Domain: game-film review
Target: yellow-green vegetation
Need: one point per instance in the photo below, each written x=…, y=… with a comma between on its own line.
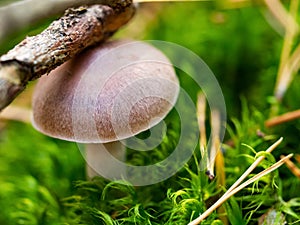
x=42, y=180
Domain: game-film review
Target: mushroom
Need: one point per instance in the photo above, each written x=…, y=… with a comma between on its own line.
x=104, y=95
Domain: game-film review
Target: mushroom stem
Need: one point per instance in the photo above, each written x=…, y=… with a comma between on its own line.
x=99, y=158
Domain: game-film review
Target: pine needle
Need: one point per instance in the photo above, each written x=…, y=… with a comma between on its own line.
x=236, y=187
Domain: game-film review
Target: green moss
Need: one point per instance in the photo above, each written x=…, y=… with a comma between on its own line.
x=36, y=172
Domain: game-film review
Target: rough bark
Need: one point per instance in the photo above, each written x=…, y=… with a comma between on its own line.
x=20, y=14
x=78, y=29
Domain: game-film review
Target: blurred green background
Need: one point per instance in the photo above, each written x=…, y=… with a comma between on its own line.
x=42, y=180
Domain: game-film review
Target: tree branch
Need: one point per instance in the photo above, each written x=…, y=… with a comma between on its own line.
x=77, y=29
x=16, y=16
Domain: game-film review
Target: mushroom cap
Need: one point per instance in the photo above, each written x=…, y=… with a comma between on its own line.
x=107, y=93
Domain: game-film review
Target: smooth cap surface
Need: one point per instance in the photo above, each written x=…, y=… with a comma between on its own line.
x=110, y=92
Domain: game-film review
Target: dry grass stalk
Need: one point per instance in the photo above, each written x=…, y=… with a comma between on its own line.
x=236, y=187
x=283, y=118
x=292, y=167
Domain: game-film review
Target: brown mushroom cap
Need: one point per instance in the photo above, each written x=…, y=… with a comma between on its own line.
x=107, y=93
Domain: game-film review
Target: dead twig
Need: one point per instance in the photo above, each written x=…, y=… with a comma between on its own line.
x=289, y=116
x=17, y=15
x=78, y=29
x=237, y=186
x=292, y=167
